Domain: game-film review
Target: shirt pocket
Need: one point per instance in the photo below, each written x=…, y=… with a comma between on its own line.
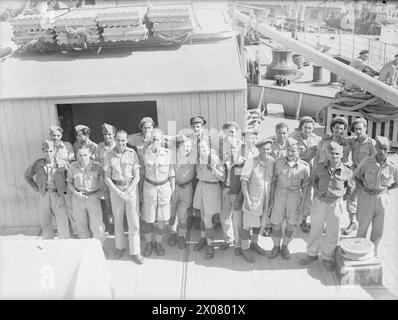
x=385, y=178
x=297, y=179
x=128, y=167
x=338, y=182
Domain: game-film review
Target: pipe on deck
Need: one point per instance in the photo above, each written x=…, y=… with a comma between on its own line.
x=362, y=80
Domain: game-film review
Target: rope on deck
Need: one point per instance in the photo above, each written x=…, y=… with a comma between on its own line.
x=368, y=105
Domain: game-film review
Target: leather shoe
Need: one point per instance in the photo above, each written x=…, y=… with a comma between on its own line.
x=256, y=248
x=225, y=246
x=159, y=249
x=267, y=232
x=351, y=227
x=119, y=253
x=274, y=252
x=182, y=242
x=148, y=249
x=246, y=254
x=201, y=244
x=237, y=251
x=305, y=226
x=285, y=252
x=172, y=240
x=137, y=258
x=329, y=265
x=308, y=259
x=209, y=252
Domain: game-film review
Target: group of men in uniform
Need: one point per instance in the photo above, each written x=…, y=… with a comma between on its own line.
x=256, y=186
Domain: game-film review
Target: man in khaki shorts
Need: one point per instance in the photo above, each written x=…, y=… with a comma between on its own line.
x=159, y=185
x=256, y=181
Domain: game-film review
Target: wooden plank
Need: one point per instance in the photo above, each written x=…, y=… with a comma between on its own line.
x=213, y=110
x=222, y=109
x=204, y=106
x=187, y=110
x=229, y=106
x=195, y=104
x=178, y=111
x=238, y=108
x=45, y=118
x=52, y=110
x=169, y=124
x=4, y=185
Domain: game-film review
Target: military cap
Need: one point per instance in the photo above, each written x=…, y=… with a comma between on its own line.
x=54, y=129
x=230, y=124
x=358, y=121
x=156, y=132
x=334, y=146
x=305, y=119
x=108, y=128
x=383, y=141
x=364, y=51
x=262, y=142
x=198, y=119
x=81, y=127
x=145, y=120
x=338, y=119
x=250, y=131
x=291, y=142
x=47, y=144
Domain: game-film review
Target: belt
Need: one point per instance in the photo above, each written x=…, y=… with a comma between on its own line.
x=51, y=190
x=209, y=182
x=156, y=183
x=87, y=193
x=182, y=185
x=376, y=192
x=121, y=182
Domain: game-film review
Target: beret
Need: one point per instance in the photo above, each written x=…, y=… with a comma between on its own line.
x=80, y=127
x=108, y=128
x=262, y=142
x=54, y=129
x=364, y=51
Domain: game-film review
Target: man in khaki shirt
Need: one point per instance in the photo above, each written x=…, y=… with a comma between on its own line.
x=122, y=174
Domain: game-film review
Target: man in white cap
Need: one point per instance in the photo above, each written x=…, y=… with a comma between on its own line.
x=361, y=146
x=47, y=176
x=333, y=183
x=122, y=174
x=86, y=181
x=103, y=149
x=83, y=139
x=375, y=176
x=256, y=179
x=289, y=192
x=63, y=149
x=159, y=185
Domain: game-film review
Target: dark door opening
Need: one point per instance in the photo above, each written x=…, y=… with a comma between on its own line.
x=123, y=115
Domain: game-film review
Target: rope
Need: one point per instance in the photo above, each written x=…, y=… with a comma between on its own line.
x=368, y=105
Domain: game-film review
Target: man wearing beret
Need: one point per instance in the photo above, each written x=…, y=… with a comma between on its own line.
x=307, y=143
x=102, y=150
x=141, y=141
x=159, y=185
x=256, y=179
x=83, y=139
x=182, y=197
x=63, y=149
x=361, y=146
x=375, y=176
x=389, y=72
x=333, y=183
x=122, y=174
x=47, y=176
x=289, y=191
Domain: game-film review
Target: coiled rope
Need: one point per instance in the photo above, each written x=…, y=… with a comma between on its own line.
x=369, y=106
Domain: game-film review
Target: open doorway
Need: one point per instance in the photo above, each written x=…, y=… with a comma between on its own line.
x=123, y=115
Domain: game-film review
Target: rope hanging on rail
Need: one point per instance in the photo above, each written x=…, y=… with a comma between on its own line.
x=369, y=106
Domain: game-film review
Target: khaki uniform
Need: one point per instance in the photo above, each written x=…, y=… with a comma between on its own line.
x=120, y=167
x=278, y=150
x=322, y=149
x=258, y=175
x=90, y=144
x=87, y=212
x=359, y=151
x=183, y=193
x=372, y=207
x=307, y=151
x=102, y=152
x=289, y=183
x=330, y=186
x=50, y=182
x=159, y=167
x=64, y=151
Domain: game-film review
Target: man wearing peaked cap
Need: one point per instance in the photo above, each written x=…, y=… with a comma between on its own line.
x=289, y=188
x=333, y=183
x=361, y=146
x=83, y=139
x=48, y=177
x=389, y=72
x=197, y=119
x=262, y=142
x=103, y=149
x=375, y=176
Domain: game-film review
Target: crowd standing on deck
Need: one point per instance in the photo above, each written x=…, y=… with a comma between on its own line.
x=255, y=186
